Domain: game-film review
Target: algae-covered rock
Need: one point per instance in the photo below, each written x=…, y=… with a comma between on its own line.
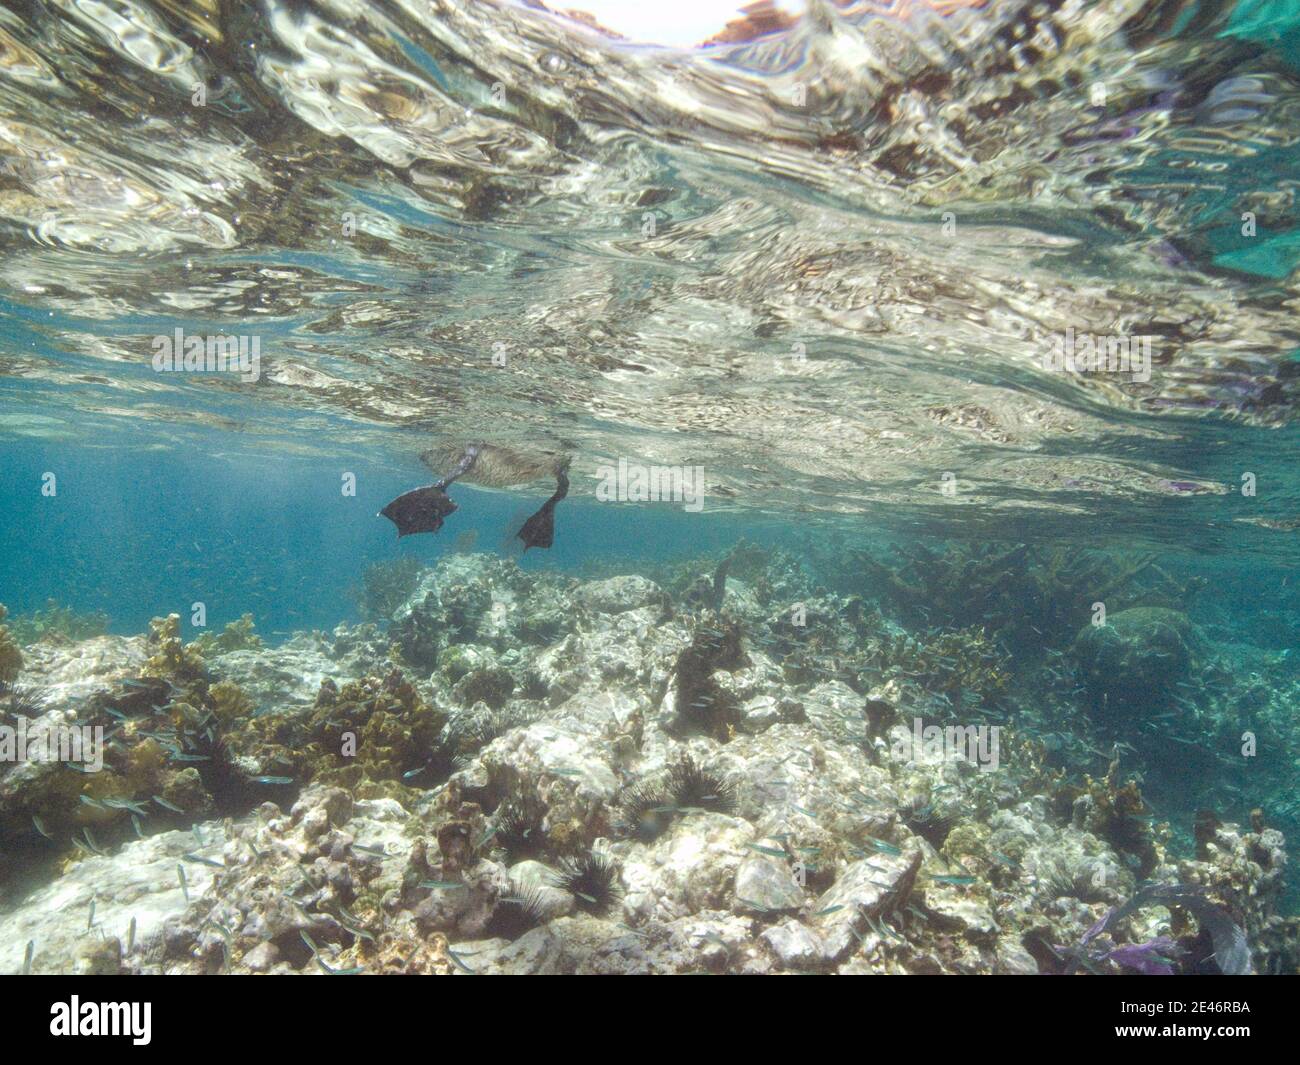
x=619, y=594
x=11, y=658
x=170, y=658
x=57, y=624
x=491, y=686
x=866, y=890
x=767, y=886
x=236, y=636
x=1131, y=665
x=462, y=658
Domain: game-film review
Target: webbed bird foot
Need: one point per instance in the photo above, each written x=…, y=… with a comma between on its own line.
x=539, y=530
x=419, y=510
x=424, y=509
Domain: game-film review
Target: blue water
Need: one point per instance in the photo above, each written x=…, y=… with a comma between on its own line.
x=139, y=533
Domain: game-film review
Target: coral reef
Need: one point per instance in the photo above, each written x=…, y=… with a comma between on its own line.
x=1029, y=598
x=1133, y=662
x=11, y=658
x=236, y=636
x=58, y=623
x=529, y=774
x=385, y=586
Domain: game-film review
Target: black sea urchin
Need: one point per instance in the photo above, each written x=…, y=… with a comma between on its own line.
x=645, y=810
x=519, y=825
x=21, y=700
x=690, y=787
x=592, y=879
x=922, y=817
x=518, y=913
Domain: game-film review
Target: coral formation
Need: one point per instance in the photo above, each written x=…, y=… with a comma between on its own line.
x=385, y=586
x=1029, y=597
x=11, y=658
x=528, y=774
x=236, y=636
x=1133, y=662
x=57, y=622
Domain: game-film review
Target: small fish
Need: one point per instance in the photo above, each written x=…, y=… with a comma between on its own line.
x=361, y=933
x=771, y=852
x=94, y=804
x=954, y=879
x=27, y=957
x=271, y=780
x=457, y=959
x=40, y=827
x=130, y=936
x=124, y=804
x=883, y=847
x=180, y=875
x=884, y=930
x=90, y=921
x=190, y=856
x=370, y=850
x=167, y=805
x=441, y=885
x=828, y=910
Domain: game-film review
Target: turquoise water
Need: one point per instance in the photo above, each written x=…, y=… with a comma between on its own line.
x=821, y=267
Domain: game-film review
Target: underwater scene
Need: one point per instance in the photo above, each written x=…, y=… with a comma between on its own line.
x=491, y=487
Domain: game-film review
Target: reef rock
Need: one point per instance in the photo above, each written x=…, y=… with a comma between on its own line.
x=1131, y=665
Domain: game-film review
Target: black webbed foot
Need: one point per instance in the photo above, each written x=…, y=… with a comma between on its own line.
x=419, y=510
x=539, y=530
x=424, y=509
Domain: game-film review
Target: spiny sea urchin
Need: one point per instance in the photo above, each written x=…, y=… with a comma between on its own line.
x=592, y=879
x=516, y=914
x=927, y=821
x=519, y=825
x=21, y=700
x=690, y=787
x=645, y=809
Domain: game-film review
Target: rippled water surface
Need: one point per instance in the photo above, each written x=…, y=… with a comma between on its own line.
x=825, y=264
